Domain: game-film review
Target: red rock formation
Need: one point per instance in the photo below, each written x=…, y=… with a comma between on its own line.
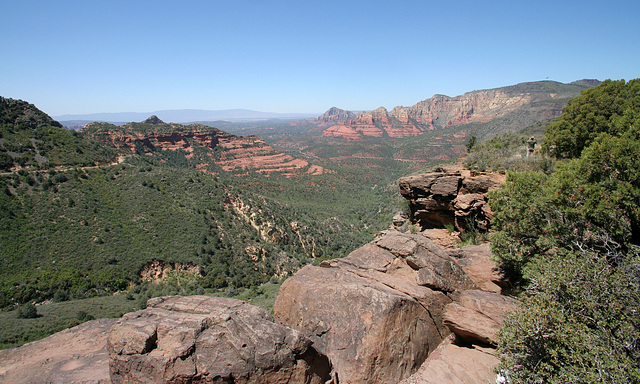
x=376, y=123
x=442, y=111
x=232, y=153
x=378, y=313
x=366, y=312
x=437, y=199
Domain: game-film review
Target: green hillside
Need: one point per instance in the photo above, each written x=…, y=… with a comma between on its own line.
x=88, y=221
x=30, y=138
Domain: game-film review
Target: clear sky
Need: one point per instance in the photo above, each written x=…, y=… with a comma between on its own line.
x=85, y=56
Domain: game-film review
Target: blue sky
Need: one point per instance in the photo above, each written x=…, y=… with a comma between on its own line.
x=71, y=57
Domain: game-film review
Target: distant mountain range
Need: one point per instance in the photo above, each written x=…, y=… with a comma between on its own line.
x=528, y=102
x=182, y=116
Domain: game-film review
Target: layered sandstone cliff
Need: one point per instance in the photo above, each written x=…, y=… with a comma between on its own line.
x=203, y=145
x=546, y=97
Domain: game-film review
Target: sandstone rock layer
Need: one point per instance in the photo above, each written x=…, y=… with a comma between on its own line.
x=442, y=198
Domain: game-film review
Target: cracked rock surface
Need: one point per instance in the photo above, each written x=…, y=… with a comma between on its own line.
x=200, y=339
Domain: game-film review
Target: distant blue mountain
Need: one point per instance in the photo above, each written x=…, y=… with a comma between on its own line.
x=185, y=115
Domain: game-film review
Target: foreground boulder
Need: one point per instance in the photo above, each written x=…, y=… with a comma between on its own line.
x=476, y=316
x=201, y=339
x=367, y=312
x=454, y=364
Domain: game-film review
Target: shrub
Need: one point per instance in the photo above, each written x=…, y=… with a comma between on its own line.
x=27, y=311
x=578, y=323
x=573, y=235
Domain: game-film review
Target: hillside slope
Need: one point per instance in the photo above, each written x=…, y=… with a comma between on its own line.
x=204, y=147
x=155, y=208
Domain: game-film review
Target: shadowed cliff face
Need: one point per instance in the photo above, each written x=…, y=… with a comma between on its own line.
x=203, y=145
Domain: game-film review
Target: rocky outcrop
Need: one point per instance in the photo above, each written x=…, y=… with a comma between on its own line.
x=157, y=270
x=74, y=356
x=457, y=198
x=201, y=339
x=373, y=313
x=382, y=311
x=335, y=116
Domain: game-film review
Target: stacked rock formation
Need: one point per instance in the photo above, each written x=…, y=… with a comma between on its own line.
x=441, y=198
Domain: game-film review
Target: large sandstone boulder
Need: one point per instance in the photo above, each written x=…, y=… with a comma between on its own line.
x=367, y=312
x=73, y=356
x=454, y=364
x=476, y=316
x=201, y=339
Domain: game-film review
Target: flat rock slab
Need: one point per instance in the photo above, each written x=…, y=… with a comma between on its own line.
x=73, y=356
x=452, y=364
x=476, y=262
x=476, y=316
x=200, y=339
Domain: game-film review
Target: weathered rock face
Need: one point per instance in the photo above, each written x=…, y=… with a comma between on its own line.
x=376, y=123
x=368, y=313
x=201, y=339
x=156, y=270
x=74, y=356
x=335, y=116
x=437, y=199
